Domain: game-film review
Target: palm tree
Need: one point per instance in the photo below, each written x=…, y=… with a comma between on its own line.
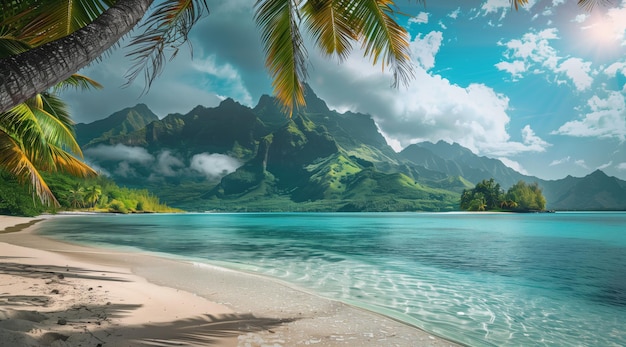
x=335, y=25
x=92, y=195
x=76, y=197
x=37, y=134
x=37, y=69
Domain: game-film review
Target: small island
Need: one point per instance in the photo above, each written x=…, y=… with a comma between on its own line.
x=489, y=196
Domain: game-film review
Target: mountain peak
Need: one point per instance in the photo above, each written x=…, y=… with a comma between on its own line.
x=313, y=103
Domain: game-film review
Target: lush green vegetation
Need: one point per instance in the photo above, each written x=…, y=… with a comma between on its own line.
x=98, y=194
x=489, y=196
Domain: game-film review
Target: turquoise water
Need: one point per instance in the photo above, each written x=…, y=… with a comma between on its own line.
x=480, y=279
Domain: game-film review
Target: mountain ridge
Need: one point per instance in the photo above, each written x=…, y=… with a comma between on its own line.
x=318, y=160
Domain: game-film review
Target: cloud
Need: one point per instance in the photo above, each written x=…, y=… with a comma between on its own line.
x=513, y=165
x=125, y=170
x=495, y=6
x=581, y=163
x=455, y=14
x=615, y=68
x=578, y=71
x=421, y=18
x=534, y=47
x=424, y=50
x=534, y=52
x=166, y=164
x=606, y=119
x=229, y=79
x=604, y=166
x=621, y=166
x=430, y=108
x=560, y=161
x=119, y=152
x=214, y=165
x=580, y=18
x=617, y=21
x=502, y=7
x=515, y=68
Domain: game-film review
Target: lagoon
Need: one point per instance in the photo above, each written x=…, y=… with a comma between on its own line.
x=479, y=279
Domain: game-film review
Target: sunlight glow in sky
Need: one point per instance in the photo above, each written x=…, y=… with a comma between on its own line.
x=543, y=88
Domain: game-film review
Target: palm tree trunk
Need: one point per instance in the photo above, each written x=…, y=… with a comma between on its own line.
x=25, y=75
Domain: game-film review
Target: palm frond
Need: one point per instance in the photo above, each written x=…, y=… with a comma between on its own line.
x=77, y=81
x=284, y=50
x=10, y=45
x=167, y=28
x=519, y=3
x=329, y=26
x=56, y=123
x=21, y=124
x=383, y=38
x=590, y=4
x=38, y=22
x=17, y=162
x=66, y=162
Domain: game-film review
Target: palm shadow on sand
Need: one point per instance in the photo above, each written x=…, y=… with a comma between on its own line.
x=94, y=320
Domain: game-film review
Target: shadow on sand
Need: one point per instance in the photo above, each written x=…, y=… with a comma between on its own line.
x=19, y=315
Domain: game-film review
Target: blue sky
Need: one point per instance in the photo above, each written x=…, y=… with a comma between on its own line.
x=543, y=89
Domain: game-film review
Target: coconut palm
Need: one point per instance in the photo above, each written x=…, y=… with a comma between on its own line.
x=38, y=135
x=76, y=197
x=92, y=195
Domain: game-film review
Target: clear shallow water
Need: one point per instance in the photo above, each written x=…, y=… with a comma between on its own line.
x=498, y=279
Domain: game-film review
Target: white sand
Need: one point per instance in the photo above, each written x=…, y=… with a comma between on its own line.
x=58, y=294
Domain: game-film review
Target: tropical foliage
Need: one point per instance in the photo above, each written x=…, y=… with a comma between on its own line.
x=489, y=196
x=37, y=134
x=98, y=194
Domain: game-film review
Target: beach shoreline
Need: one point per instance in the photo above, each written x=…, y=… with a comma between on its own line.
x=197, y=304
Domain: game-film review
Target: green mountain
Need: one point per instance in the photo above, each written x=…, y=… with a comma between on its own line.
x=455, y=160
x=232, y=157
x=596, y=192
x=122, y=122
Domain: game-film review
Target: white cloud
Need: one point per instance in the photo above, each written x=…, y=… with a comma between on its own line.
x=581, y=163
x=125, y=170
x=617, y=18
x=515, y=68
x=214, y=165
x=534, y=47
x=502, y=7
x=455, y=14
x=606, y=119
x=225, y=74
x=421, y=18
x=560, y=161
x=431, y=108
x=513, y=165
x=496, y=6
x=604, y=166
x=621, y=166
x=424, y=50
x=534, y=52
x=120, y=152
x=578, y=71
x=166, y=164
x=580, y=18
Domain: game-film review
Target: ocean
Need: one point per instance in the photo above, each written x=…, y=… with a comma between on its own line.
x=553, y=279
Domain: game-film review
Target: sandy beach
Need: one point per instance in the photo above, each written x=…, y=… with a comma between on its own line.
x=58, y=294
